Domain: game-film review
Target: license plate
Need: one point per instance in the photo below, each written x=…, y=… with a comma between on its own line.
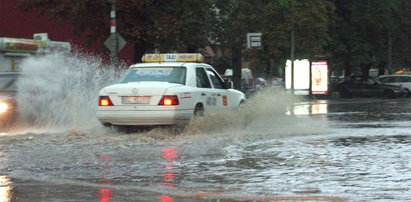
x=136, y=99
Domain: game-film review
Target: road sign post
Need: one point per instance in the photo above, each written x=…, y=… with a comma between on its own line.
x=254, y=42
x=115, y=42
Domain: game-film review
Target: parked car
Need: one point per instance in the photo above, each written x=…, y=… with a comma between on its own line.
x=247, y=80
x=8, y=89
x=366, y=86
x=398, y=80
x=168, y=89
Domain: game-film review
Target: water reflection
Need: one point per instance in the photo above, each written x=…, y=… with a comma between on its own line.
x=166, y=199
x=309, y=109
x=105, y=193
x=380, y=140
x=5, y=189
x=169, y=158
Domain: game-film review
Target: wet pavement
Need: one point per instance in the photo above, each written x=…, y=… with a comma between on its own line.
x=339, y=150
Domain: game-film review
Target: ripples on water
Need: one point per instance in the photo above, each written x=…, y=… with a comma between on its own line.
x=265, y=149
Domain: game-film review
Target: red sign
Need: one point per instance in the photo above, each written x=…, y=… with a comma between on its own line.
x=225, y=103
x=20, y=45
x=319, y=77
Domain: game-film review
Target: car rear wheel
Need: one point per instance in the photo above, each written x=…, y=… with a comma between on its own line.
x=389, y=94
x=345, y=93
x=198, y=111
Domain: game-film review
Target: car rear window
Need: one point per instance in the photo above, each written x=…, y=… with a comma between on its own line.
x=163, y=74
x=8, y=82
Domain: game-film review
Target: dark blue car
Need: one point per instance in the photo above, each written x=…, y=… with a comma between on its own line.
x=365, y=86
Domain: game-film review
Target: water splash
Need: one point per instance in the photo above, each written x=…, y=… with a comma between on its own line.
x=264, y=115
x=61, y=90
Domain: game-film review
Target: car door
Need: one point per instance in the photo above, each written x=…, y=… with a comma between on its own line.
x=405, y=82
x=208, y=95
x=387, y=79
x=371, y=87
x=225, y=98
x=217, y=89
x=353, y=86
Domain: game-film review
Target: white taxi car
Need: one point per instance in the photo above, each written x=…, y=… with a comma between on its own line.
x=167, y=89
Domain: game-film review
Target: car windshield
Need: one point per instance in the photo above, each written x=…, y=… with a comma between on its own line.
x=8, y=82
x=164, y=74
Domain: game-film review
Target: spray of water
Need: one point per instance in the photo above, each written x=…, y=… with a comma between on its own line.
x=61, y=91
x=264, y=115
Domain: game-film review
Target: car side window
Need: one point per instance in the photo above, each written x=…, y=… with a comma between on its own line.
x=370, y=81
x=385, y=79
x=391, y=80
x=201, y=78
x=348, y=80
x=405, y=79
x=8, y=82
x=217, y=82
x=357, y=80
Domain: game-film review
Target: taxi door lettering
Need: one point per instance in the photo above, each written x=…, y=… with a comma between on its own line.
x=211, y=101
x=225, y=102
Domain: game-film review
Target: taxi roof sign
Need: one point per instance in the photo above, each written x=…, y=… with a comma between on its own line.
x=173, y=57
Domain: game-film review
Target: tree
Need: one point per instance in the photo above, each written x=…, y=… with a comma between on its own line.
x=234, y=20
x=148, y=24
x=360, y=33
x=401, y=30
x=308, y=19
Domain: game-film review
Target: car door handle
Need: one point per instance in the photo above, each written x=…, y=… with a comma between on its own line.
x=218, y=94
x=203, y=94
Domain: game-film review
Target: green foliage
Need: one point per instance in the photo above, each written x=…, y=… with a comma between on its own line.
x=163, y=24
x=353, y=33
x=361, y=32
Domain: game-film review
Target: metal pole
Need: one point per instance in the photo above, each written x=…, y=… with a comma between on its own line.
x=254, y=68
x=389, y=52
x=389, y=46
x=292, y=60
x=113, y=27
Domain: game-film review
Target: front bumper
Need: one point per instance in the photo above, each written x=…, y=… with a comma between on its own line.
x=400, y=93
x=144, y=118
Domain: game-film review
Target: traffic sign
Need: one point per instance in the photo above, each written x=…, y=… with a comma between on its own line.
x=254, y=40
x=115, y=42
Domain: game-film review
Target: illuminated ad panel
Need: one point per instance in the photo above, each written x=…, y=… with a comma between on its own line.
x=319, y=77
x=288, y=75
x=301, y=76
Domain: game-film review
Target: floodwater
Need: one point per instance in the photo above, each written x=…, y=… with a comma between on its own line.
x=275, y=148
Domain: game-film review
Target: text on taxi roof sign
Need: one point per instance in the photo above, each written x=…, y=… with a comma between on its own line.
x=174, y=57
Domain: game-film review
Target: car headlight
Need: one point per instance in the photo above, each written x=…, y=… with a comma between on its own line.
x=3, y=107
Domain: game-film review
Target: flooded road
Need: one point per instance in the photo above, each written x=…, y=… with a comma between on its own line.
x=356, y=150
x=275, y=148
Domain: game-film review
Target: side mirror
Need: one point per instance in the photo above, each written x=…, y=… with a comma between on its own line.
x=229, y=84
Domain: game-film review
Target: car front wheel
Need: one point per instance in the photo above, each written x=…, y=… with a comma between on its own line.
x=389, y=94
x=408, y=93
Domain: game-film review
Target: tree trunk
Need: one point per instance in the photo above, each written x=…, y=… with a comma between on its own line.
x=190, y=48
x=236, y=61
x=381, y=71
x=365, y=69
x=140, y=48
x=347, y=68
